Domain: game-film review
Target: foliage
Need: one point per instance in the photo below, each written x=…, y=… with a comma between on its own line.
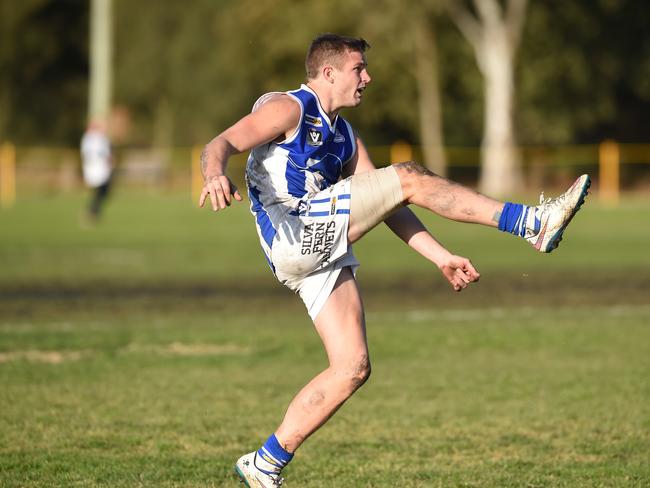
x=186, y=70
x=44, y=59
x=584, y=71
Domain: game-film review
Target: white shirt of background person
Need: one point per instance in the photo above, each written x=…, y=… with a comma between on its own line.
x=96, y=157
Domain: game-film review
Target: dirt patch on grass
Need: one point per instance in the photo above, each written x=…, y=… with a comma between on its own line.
x=173, y=349
x=37, y=356
x=180, y=349
x=380, y=292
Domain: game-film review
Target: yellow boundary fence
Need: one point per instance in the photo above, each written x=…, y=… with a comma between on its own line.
x=7, y=175
x=145, y=165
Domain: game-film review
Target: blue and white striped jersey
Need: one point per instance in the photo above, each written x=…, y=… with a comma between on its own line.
x=282, y=176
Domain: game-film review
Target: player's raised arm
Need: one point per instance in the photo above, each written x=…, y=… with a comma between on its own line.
x=360, y=162
x=275, y=119
x=458, y=270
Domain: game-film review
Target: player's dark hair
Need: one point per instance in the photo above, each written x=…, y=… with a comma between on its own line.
x=330, y=48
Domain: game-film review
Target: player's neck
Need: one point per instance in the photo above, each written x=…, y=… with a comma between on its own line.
x=325, y=99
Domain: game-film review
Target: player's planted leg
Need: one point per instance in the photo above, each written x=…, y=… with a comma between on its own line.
x=341, y=327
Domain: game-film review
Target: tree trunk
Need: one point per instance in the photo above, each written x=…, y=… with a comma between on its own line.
x=500, y=166
x=494, y=30
x=429, y=98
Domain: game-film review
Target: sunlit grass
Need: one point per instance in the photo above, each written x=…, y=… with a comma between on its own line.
x=156, y=348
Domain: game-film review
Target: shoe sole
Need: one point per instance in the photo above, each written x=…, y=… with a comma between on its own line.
x=242, y=477
x=554, y=241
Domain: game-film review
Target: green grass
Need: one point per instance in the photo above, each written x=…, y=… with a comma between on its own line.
x=142, y=353
x=151, y=237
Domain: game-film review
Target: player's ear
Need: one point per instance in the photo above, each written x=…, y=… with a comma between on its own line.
x=328, y=73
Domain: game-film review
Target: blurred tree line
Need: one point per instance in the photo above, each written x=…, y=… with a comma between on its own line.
x=185, y=70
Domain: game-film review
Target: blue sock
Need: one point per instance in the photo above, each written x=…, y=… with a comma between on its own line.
x=513, y=218
x=272, y=457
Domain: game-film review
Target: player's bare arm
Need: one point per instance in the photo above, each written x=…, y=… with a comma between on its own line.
x=360, y=162
x=274, y=120
x=458, y=270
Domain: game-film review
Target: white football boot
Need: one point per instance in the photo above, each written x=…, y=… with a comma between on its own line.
x=253, y=477
x=546, y=222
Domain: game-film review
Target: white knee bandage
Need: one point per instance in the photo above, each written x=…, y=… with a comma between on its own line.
x=375, y=196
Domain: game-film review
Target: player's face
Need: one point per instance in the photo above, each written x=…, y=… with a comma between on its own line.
x=352, y=79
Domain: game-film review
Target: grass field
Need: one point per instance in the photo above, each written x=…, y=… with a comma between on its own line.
x=156, y=348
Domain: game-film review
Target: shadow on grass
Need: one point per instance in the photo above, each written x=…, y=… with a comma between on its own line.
x=379, y=292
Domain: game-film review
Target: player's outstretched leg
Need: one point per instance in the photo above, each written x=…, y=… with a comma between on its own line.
x=446, y=198
x=542, y=226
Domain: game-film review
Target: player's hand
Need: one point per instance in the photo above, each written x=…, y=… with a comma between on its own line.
x=221, y=191
x=459, y=272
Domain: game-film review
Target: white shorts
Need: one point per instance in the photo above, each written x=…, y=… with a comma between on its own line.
x=311, y=246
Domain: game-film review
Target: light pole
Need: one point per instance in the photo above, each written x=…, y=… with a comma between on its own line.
x=101, y=54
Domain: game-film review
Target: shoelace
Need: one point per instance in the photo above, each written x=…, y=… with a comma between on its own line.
x=552, y=202
x=277, y=480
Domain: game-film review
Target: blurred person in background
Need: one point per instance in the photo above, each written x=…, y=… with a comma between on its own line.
x=97, y=167
x=315, y=191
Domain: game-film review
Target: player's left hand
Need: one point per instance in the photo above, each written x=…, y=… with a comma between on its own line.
x=459, y=271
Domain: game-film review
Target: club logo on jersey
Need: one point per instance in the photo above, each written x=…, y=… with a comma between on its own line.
x=314, y=138
x=302, y=208
x=338, y=137
x=315, y=121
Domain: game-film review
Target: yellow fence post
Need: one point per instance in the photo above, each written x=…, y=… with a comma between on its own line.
x=609, y=156
x=401, y=152
x=197, y=177
x=7, y=175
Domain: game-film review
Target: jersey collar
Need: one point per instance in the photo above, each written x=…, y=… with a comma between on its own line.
x=320, y=108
